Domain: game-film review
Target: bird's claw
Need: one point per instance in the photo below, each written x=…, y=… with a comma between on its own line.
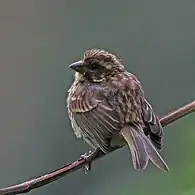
x=87, y=166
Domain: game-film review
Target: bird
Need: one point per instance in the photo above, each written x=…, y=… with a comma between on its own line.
x=107, y=108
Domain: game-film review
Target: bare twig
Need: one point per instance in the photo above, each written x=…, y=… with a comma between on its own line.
x=68, y=168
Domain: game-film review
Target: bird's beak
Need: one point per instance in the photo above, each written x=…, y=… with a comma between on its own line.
x=77, y=66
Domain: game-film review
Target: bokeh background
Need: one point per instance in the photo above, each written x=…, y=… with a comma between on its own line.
x=40, y=38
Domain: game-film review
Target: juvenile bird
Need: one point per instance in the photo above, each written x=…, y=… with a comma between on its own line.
x=107, y=108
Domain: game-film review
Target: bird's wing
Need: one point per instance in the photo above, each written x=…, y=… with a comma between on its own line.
x=153, y=127
x=140, y=121
x=143, y=112
x=93, y=117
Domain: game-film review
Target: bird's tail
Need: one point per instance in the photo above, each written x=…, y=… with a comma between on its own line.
x=141, y=148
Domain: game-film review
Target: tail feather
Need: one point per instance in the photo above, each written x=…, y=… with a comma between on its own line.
x=137, y=148
x=154, y=156
x=141, y=148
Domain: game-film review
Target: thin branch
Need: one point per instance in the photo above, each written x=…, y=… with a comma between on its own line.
x=68, y=168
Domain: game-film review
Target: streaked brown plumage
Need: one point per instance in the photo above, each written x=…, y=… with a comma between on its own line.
x=106, y=106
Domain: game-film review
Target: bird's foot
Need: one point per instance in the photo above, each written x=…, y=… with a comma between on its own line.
x=87, y=166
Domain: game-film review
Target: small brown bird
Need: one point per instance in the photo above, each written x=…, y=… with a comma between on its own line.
x=107, y=108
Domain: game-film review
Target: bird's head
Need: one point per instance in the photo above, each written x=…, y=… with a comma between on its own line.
x=97, y=66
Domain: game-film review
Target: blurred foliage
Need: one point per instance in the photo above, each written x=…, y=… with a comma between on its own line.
x=40, y=38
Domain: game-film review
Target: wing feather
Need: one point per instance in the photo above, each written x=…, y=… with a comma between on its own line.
x=153, y=126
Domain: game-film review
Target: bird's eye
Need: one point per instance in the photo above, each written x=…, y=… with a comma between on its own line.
x=93, y=66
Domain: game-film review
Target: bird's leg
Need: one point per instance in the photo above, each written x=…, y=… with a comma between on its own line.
x=88, y=157
x=86, y=167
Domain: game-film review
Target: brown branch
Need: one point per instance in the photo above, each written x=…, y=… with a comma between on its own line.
x=68, y=168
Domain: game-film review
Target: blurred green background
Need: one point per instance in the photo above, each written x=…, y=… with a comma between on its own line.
x=40, y=38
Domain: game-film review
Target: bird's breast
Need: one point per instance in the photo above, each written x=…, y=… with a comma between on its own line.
x=81, y=98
